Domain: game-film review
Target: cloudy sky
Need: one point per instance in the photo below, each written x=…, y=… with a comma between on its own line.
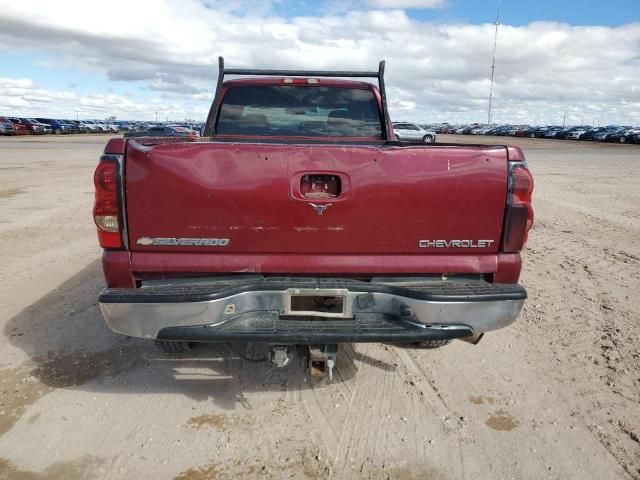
x=133, y=58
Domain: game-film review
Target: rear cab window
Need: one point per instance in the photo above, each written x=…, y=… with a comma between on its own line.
x=303, y=111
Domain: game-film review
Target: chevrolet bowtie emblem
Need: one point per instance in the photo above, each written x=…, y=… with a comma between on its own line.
x=320, y=208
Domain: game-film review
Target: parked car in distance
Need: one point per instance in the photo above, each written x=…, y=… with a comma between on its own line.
x=80, y=125
x=467, y=129
x=163, y=131
x=113, y=128
x=622, y=135
x=125, y=126
x=537, y=132
x=562, y=134
x=482, y=129
x=19, y=128
x=591, y=133
x=520, y=130
x=566, y=132
x=71, y=126
x=96, y=127
x=551, y=132
x=603, y=135
x=102, y=127
x=501, y=131
x=88, y=126
x=444, y=128
x=57, y=126
x=411, y=132
x=6, y=126
x=36, y=127
x=20, y=123
x=577, y=134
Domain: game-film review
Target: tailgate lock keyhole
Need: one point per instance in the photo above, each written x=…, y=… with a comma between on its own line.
x=320, y=186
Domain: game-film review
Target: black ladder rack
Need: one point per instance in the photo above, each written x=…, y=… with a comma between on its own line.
x=222, y=71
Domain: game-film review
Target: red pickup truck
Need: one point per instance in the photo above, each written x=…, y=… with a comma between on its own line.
x=297, y=219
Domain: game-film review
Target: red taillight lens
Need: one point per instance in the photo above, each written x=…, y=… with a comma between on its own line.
x=106, y=212
x=105, y=176
x=519, y=212
x=521, y=183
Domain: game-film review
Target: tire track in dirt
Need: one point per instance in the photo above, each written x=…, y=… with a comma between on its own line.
x=596, y=309
x=331, y=406
x=369, y=400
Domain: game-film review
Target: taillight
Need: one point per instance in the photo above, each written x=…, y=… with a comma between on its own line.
x=518, y=218
x=106, y=210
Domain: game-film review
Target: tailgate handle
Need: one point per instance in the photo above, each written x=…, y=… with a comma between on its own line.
x=320, y=185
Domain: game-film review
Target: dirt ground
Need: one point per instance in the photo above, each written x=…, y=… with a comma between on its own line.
x=556, y=395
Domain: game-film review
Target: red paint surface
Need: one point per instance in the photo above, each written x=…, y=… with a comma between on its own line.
x=116, y=266
x=509, y=266
x=395, y=196
x=515, y=154
x=321, y=264
x=115, y=146
x=122, y=267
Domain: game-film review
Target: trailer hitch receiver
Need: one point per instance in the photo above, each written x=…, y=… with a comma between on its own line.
x=322, y=360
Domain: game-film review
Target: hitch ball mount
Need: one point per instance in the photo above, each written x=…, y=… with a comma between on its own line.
x=319, y=360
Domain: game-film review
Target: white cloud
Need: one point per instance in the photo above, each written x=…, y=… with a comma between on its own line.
x=23, y=97
x=24, y=92
x=435, y=72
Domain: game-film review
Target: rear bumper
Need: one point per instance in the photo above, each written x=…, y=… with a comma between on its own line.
x=260, y=310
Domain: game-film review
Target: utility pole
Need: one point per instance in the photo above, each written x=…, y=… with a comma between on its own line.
x=156, y=116
x=77, y=111
x=493, y=63
x=564, y=119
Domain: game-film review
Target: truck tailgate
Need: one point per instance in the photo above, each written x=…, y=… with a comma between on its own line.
x=248, y=198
